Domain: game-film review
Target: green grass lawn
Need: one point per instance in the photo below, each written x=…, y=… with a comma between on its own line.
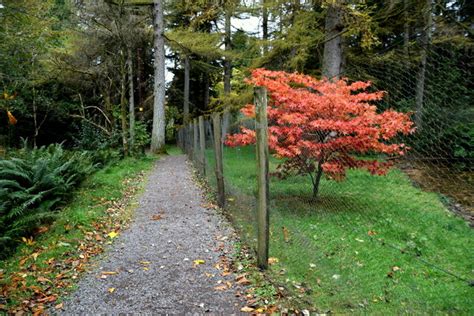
x=370, y=244
x=44, y=269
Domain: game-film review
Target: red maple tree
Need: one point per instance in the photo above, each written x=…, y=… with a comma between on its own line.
x=322, y=126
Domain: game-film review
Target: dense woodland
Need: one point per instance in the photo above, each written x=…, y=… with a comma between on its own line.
x=82, y=72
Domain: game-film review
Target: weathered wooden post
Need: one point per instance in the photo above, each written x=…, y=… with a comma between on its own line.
x=195, y=141
x=189, y=139
x=261, y=126
x=216, y=120
x=202, y=145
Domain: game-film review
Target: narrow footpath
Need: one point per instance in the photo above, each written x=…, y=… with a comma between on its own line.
x=168, y=260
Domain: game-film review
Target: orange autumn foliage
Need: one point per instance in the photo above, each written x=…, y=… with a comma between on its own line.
x=11, y=119
x=320, y=126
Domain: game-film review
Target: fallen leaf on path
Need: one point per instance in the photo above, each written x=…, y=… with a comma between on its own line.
x=59, y=306
x=198, y=262
x=109, y=272
x=112, y=235
x=145, y=262
x=111, y=289
x=157, y=217
x=220, y=288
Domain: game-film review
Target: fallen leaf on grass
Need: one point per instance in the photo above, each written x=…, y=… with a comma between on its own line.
x=111, y=289
x=272, y=260
x=42, y=279
x=28, y=241
x=371, y=233
x=246, y=309
x=35, y=255
x=243, y=281
x=286, y=234
x=112, y=235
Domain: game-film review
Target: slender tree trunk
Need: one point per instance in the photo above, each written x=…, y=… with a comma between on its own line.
x=332, y=59
x=186, y=89
x=109, y=109
x=317, y=180
x=140, y=77
x=227, y=70
x=159, y=124
x=406, y=28
x=265, y=25
x=123, y=104
x=35, y=119
x=420, y=84
x=206, y=90
x=131, y=95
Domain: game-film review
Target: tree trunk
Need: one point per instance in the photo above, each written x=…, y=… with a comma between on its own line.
x=186, y=89
x=140, y=79
x=406, y=28
x=123, y=104
x=332, y=58
x=265, y=25
x=35, y=119
x=131, y=95
x=420, y=84
x=206, y=90
x=227, y=71
x=159, y=124
x=317, y=181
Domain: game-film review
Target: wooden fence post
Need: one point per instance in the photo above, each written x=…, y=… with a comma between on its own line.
x=195, y=140
x=216, y=120
x=189, y=139
x=202, y=143
x=260, y=96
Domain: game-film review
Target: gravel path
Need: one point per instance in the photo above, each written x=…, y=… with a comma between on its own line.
x=154, y=259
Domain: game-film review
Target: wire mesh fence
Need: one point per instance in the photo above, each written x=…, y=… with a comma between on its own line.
x=369, y=243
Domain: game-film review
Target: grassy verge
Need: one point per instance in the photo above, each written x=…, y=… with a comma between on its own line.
x=45, y=268
x=368, y=245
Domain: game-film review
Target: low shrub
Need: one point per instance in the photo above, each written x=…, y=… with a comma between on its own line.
x=33, y=185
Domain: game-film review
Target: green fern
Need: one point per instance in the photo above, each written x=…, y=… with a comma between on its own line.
x=33, y=186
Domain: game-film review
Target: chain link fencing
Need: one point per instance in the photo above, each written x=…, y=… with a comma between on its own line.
x=399, y=242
